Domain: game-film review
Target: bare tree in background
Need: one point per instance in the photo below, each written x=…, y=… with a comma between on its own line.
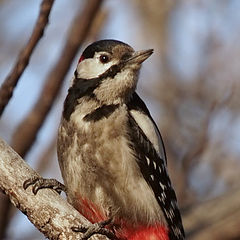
x=28, y=129
x=190, y=111
x=197, y=117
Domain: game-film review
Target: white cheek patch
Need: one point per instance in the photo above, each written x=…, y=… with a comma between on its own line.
x=92, y=67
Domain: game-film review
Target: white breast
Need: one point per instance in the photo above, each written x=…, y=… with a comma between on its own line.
x=106, y=172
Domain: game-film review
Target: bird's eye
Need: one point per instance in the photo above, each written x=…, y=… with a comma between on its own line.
x=104, y=58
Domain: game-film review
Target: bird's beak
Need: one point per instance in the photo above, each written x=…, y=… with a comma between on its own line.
x=140, y=56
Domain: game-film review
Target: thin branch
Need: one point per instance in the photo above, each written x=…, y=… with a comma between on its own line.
x=29, y=127
x=6, y=90
x=98, y=24
x=50, y=213
x=54, y=217
x=217, y=219
x=191, y=157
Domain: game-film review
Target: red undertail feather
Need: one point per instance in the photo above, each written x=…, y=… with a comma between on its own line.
x=124, y=229
x=90, y=211
x=156, y=232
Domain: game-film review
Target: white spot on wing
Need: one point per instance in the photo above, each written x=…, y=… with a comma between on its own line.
x=171, y=213
x=152, y=177
x=162, y=186
x=154, y=165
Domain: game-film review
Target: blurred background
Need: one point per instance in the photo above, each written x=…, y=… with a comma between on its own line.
x=190, y=84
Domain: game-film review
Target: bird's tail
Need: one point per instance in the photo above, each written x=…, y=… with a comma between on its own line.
x=156, y=232
x=123, y=229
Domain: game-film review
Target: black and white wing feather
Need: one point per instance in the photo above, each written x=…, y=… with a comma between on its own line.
x=150, y=153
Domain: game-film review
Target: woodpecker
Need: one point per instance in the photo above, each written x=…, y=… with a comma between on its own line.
x=110, y=151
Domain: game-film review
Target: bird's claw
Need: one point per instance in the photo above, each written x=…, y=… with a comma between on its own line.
x=39, y=183
x=96, y=228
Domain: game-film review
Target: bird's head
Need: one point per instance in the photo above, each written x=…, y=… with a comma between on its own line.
x=113, y=66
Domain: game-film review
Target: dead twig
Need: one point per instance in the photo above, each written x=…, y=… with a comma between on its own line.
x=6, y=90
x=191, y=157
x=217, y=219
x=29, y=127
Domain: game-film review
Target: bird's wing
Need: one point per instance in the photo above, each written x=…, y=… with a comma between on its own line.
x=141, y=115
x=149, y=150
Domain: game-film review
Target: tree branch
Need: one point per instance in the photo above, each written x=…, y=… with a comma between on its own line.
x=30, y=125
x=50, y=213
x=6, y=90
x=53, y=216
x=217, y=219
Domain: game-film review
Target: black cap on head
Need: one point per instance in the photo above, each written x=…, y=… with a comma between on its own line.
x=101, y=46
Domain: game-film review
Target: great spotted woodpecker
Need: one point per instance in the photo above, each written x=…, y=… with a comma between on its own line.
x=110, y=151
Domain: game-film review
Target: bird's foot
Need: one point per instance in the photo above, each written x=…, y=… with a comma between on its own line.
x=96, y=228
x=40, y=183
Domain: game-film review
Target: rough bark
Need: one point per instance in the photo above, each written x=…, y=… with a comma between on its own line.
x=48, y=211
